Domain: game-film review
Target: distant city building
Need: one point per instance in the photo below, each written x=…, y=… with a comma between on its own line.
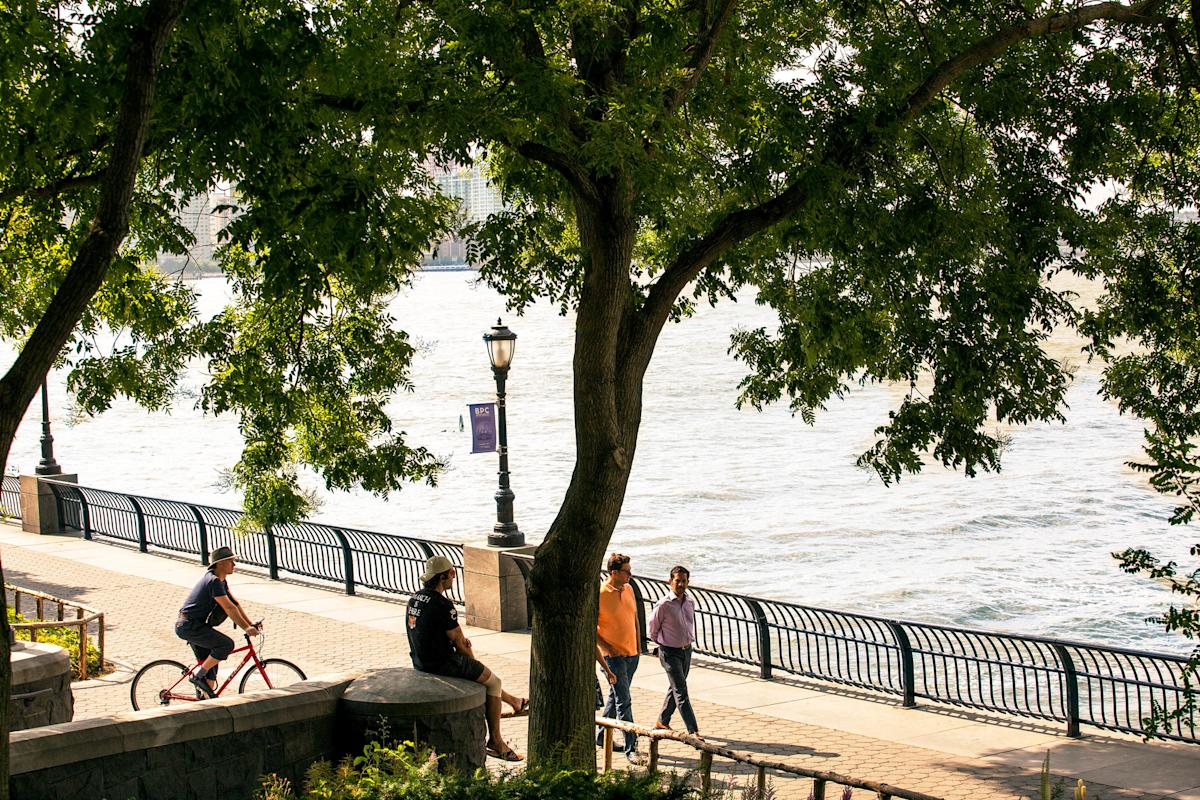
x=478, y=197
x=204, y=217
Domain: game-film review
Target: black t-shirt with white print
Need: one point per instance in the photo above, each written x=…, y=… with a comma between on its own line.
x=430, y=615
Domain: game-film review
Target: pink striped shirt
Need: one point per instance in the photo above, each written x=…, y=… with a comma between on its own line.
x=673, y=622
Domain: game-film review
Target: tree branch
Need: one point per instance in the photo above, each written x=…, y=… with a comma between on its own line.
x=579, y=181
x=702, y=51
x=52, y=189
x=990, y=48
x=739, y=225
x=111, y=224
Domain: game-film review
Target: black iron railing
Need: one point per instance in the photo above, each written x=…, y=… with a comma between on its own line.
x=10, y=497
x=1029, y=676
x=1071, y=682
x=347, y=557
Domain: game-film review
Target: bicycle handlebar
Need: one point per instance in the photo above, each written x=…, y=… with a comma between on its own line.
x=258, y=625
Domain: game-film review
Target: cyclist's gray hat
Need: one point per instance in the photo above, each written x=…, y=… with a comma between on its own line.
x=436, y=565
x=220, y=554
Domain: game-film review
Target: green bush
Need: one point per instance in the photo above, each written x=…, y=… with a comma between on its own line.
x=66, y=638
x=385, y=772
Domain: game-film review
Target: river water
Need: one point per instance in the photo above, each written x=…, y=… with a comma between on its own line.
x=752, y=502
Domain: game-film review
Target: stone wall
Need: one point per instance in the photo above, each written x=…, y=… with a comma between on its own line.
x=217, y=748
x=222, y=747
x=41, y=686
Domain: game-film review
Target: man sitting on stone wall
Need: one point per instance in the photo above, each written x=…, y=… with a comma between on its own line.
x=437, y=645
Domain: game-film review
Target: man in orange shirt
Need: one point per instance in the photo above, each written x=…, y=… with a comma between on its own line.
x=617, y=637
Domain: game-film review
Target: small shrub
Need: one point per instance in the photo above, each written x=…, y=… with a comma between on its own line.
x=66, y=638
x=400, y=772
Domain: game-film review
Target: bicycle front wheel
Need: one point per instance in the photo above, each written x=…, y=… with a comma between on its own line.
x=160, y=683
x=277, y=671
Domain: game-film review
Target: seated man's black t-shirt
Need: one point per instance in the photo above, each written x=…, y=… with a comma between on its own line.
x=430, y=615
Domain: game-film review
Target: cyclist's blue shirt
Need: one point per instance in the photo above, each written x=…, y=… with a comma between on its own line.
x=202, y=600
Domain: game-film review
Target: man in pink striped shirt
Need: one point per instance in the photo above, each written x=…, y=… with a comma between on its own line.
x=673, y=628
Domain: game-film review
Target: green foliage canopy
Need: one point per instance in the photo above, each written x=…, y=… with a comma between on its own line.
x=329, y=222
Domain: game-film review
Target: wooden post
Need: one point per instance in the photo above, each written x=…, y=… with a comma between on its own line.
x=705, y=772
x=608, y=745
x=653, y=753
x=60, y=610
x=83, y=673
x=16, y=601
x=818, y=791
x=762, y=783
x=40, y=608
x=100, y=638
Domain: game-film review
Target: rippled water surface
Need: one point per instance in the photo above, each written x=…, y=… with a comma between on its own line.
x=752, y=502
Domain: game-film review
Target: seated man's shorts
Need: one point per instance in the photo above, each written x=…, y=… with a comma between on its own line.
x=461, y=666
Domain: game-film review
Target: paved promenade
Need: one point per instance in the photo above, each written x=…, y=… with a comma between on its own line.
x=943, y=752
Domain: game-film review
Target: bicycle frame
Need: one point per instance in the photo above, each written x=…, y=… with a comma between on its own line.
x=251, y=655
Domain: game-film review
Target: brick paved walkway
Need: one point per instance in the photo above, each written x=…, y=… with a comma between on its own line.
x=366, y=634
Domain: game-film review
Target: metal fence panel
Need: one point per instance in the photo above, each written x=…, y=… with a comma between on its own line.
x=10, y=497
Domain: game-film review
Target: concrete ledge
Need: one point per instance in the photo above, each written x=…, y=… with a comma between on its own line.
x=37, y=661
x=53, y=745
x=132, y=731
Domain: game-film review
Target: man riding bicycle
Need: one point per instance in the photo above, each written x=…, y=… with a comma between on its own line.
x=207, y=606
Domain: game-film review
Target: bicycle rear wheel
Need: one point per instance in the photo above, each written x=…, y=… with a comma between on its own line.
x=279, y=672
x=160, y=683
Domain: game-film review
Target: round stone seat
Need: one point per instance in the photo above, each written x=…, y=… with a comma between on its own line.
x=444, y=714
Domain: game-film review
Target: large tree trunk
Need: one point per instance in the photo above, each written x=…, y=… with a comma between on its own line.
x=609, y=365
x=107, y=231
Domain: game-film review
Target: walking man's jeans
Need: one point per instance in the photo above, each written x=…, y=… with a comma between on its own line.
x=620, y=705
x=677, y=662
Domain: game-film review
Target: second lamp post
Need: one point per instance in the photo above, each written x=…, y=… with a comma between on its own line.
x=501, y=344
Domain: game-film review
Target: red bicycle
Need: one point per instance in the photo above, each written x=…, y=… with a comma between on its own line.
x=163, y=682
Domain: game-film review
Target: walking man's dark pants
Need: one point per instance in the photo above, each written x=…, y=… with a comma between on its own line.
x=677, y=663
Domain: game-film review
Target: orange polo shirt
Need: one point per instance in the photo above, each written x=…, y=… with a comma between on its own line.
x=617, y=623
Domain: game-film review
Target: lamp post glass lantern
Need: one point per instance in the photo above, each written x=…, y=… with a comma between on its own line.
x=501, y=345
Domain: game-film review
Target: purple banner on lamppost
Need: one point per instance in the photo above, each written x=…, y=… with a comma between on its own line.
x=483, y=427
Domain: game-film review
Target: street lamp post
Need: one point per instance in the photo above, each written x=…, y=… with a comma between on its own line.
x=47, y=466
x=501, y=344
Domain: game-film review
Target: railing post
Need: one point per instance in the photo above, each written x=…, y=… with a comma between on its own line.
x=141, y=522
x=272, y=556
x=85, y=511
x=653, y=754
x=762, y=783
x=1071, y=681
x=705, y=772
x=818, y=790
x=608, y=748
x=764, y=638
x=347, y=559
x=203, y=529
x=641, y=617
x=58, y=506
x=907, y=674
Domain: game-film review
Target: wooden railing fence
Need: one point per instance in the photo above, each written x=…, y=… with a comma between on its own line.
x=820, y=778
x=84, y=616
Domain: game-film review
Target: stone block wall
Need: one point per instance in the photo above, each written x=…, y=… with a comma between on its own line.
x=218, y=748
x=41, y=686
